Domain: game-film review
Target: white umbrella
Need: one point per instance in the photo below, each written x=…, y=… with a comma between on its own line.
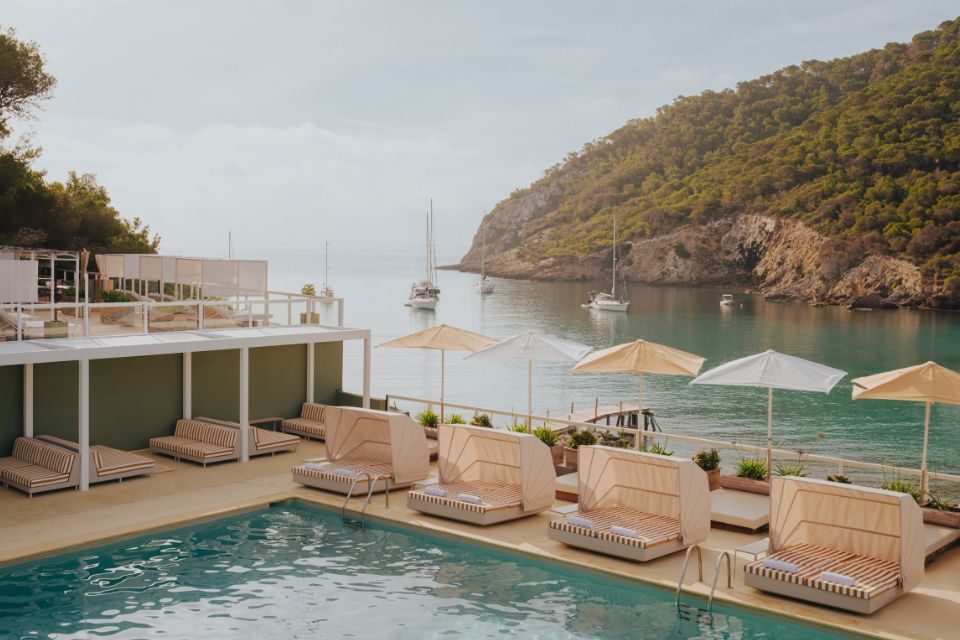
x=773, y=370
x=533, y=347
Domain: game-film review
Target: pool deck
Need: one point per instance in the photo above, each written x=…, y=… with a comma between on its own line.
x=182, y=492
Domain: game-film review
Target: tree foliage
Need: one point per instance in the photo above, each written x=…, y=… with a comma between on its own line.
x=864, y=149
x=73, y=214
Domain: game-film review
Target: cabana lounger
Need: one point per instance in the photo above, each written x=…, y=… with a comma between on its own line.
x=636, y=505
x=107, y=463
x=844, y=546
x=487, y=476
x=362, y=441
x=262, y=441
x=200, y=442
x=310, y=424
x=35, y=466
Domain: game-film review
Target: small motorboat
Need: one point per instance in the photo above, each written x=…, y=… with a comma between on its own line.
x=726, y=300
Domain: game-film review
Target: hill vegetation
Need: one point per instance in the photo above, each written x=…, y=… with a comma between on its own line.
x=36, y=212
x=864, y=150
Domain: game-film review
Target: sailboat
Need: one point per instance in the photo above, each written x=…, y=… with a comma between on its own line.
x=484, y=285
x=613, y=301
x=425, y=294
x=327, y=290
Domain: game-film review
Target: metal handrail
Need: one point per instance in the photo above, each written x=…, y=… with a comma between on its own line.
x=371, y=482
x=683, y=569
x=716, y=574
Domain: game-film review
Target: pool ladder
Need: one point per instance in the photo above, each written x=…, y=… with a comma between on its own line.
x=372, y=480
x=716, y=573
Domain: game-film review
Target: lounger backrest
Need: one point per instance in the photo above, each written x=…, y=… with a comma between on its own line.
x=861, y=520
x=661, y=485
x=47, y=456
x=205, y=432
x=312, y=411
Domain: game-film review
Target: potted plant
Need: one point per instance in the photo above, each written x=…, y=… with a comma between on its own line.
x=456, y=419
x=577, y=439
x=519, y=427
x=709, y=461
x=550, y=438
x=481, y=420
x=309, y=290
x=751, y=477
x=429, y=420
x=942, y=512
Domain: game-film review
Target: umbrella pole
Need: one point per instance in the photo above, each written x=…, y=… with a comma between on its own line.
x=640, y=438
x=443, y=372
x=769, y=431
x=923, y=461
x=529, y=394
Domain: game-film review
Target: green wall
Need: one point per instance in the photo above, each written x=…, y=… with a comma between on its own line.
x=216, y=384
x=56, y=399
x=279, y=375
x=11, y=407
x=328, y=372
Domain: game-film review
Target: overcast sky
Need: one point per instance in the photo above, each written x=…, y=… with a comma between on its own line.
x=293, y=122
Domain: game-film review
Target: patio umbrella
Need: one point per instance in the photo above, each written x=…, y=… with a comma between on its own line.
x=443, y=338
x=773, y=370
x=533, y=347
x=642, y=357
x=927, y=383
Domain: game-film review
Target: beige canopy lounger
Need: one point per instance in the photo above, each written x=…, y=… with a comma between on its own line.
x=34, y=466
x=309, y=424
x=636, y=505
x=363, y=445
x=487, y=476
x=844, y=546
x=107, y=463
x=262, y=441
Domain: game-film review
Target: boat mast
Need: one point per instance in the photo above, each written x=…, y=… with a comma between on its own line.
x=613, y=289
x=326, y=264
x=483, y=254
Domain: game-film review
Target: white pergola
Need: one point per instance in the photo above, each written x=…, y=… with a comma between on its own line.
x=83, y=350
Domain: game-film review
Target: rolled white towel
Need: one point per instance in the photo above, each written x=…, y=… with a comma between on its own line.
x=440, y=492
x=580, y=521
x=624, y=531
x=779, y=565
x=838, y=578
x=316, y=466
x=341, y=471
x=469, y=497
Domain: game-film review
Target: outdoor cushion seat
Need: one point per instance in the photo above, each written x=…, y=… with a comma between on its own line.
x=199, y=442
x=651, y=529
x=493, y=497
x=266, y=441
x=34, y=476
x=810, y=561
x=356, y=465
x=38, y=466
x=107, y=463
x=310, y=423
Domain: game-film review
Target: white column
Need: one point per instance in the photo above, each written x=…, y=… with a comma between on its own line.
x=366, y=372
x=188, y=385
x=311, y=353
x=28, y=400
x=84, y=435
x=244, y=404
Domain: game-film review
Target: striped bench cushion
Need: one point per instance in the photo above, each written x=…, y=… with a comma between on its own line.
x=305, y=425
x=34, y=476
x=360, y=465
x=872, y=575
x=264, y=439
x=189, y=447
x=494, y=496
x=44, y=455
x=810, y=560
x=110, y=461
x=12, y=463
x=652, y=529
x=313, y=411
x=214, y=434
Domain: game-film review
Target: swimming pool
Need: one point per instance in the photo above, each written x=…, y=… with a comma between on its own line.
x=296, y=571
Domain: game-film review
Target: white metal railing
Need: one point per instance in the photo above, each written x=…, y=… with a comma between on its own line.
x=742, y=448
x=34, y=320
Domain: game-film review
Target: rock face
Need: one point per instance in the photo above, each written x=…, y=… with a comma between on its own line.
x=780, y=258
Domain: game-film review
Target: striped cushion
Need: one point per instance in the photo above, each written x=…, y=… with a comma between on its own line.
x=872, y=575
x=652, y=529
x=312, y=411
x=34, y=476
x=305, y=426
x=809, y=559
x=12, y=463
x=110, y=461
x=205, y=432
x=263, y=439
x=44, y=455
x=189, y=447
x=360, y=465
x=493, y=496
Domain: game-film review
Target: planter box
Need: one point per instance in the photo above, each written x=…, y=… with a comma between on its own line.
x=713, y=479
x=56, y=329
x=570, y=458
x=314, y=318
x=745, y=484
x=556, y=452
x=942, y=518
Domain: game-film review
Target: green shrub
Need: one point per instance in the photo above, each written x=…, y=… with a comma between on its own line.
x=901, y=486
x=708, y=460
x=519, y=427
x=481, y=420
x=839, y=478
x=428, y=418
x=308, y=290
x=456, y=419
x=547, y=435
x=113, y=296
x=659, y=448
x=752, y=468
x=939, y=502
x=792, y=470
x=582, y=439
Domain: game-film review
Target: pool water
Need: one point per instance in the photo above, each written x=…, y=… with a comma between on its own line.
x=294, y=571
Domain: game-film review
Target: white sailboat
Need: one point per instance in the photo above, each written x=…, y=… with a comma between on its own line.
x=425, y=294
x=327, y=290
x=484, y=285
x=613, y=301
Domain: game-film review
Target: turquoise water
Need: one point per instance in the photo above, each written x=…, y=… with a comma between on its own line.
x=294, y=571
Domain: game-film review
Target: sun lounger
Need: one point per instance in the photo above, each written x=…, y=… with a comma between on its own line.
x=310, y=423
x=487, y=476
x=35, y=466
x=635, y=505
x=843, y=546
x=262, y=441
x=107, y=463
x=363, y=446
x=200, y=442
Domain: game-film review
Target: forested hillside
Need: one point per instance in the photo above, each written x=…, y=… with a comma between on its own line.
x=864, y=151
